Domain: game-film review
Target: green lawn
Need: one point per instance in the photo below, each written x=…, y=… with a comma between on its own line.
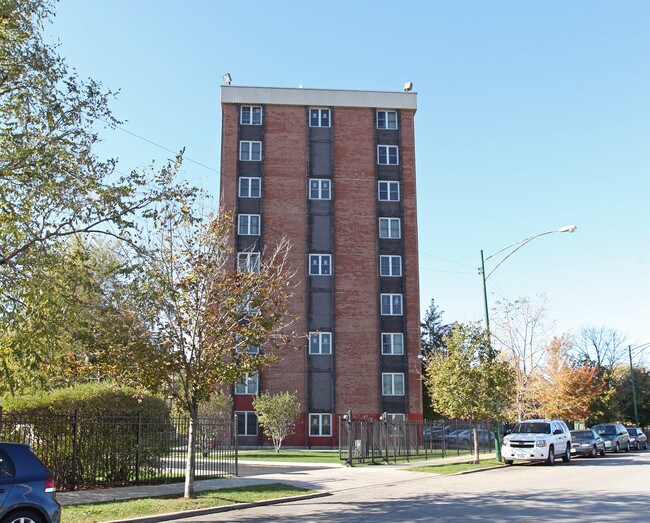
x=304, y=456
x=453, y=468
x=98, y=512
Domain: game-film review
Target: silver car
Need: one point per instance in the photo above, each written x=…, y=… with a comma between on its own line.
x=587, y=443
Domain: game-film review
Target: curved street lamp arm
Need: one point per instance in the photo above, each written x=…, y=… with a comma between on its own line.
x=521, y=242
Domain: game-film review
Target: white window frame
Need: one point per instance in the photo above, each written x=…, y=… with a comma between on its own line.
x=392, y=191
x=386, y=125
x=388, y=340
x=248, y=193
x=390, y=222
x=320, y=265
x=248, y=261
x=394, y=265
x=246, y=414
x=321, y=111
x=251, y=115
x=317, y=345
x=320, y=193
x=390, y=384
x=320, y=417
x=249, y=385
x=252, y=156
x=396, y=417
x=394, y=304
x=245, y=225
x=389, y=151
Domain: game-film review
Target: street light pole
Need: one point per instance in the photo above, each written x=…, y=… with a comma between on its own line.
x=515, y=247
x=636, y=412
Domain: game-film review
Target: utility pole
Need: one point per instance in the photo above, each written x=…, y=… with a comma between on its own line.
x=636, y=413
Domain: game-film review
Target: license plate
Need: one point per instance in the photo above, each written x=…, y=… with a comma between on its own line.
x=521, y=454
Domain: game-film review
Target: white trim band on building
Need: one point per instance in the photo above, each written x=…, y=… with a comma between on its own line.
x=317, y=97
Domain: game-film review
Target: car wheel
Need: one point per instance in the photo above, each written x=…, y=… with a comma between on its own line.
x=567, y=455
x=645, y=446
x=594, y=452
x=627, y=448
x=507, y=461
x=617, y=448
x=551, y=456
x=603, y=452
x=22, y=516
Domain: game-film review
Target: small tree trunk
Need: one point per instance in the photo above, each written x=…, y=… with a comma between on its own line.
x=475, y=437
x=190, y=464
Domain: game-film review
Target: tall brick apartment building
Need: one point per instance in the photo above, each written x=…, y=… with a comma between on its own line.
x=334, y=171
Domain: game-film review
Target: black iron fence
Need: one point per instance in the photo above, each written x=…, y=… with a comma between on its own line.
x=86, y=451
x=382, y=440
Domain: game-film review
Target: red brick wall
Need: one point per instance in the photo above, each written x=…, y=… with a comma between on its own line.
x=412, y=305
x=229, y=152
x=355, y=262
x=284, y=212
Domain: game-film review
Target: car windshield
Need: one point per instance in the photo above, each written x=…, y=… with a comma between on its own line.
x=582, y=434
x=607, y=429
x=532, y=428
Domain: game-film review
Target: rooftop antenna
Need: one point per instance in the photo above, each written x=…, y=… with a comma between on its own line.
x=227, y=79
x=408, y=86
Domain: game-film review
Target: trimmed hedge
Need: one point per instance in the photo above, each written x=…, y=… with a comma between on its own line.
x=92, y=434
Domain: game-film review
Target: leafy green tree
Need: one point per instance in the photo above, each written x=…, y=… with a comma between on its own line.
x=468, y=381
x=621, y=406
x=205, y=317
x=79, y=305
x=276, y=414
x=52, y=184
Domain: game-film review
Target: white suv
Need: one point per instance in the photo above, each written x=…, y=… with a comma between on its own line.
x=537, y=440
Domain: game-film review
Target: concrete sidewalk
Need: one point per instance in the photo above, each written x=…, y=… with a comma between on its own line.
x=321, y=477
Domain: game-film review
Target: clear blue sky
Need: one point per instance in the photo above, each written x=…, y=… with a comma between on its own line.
x=531, y=116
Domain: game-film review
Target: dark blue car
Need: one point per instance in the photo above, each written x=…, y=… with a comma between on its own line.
x=27, y=490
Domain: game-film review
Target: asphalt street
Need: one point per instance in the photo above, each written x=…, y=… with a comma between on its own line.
x=613, y=488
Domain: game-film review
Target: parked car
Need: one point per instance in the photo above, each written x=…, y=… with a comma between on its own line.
x=614, y=435
x=466, y=438
x=27, y=489
x=638, y=439
x=537, y=440
x=587, y=443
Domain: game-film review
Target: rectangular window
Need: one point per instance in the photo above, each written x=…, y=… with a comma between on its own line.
x=248, y=262
x=395, y=418
x=390, y=265
x=320, y=343
x=391, y=304
x=248, y=224
x=320, y=264
x=320, y=424
x=250, y=187
x=389, y=191
x=387, y=120
x=392, y=384
x=251, y=115
x=250, y=151
x=251, y=349
x=392, y=343
x=387, y=155
x=248, y=385
x=246, y=423
x=319, y=118
x=320, y=189
x=390, y=228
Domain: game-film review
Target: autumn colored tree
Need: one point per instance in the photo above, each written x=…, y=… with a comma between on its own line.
x=565, y=389
x=205, y=317
x=469, y=381
x=277, y=414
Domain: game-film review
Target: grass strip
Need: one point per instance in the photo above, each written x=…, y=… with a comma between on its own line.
x=109, y=511
x=454, y=468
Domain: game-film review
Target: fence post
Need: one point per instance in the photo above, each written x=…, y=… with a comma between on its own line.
x=138, y=442
x=234, y=433
x=75, y=450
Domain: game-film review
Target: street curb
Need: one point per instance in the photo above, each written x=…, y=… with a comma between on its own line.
x=215, y=510
x=476, y=470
